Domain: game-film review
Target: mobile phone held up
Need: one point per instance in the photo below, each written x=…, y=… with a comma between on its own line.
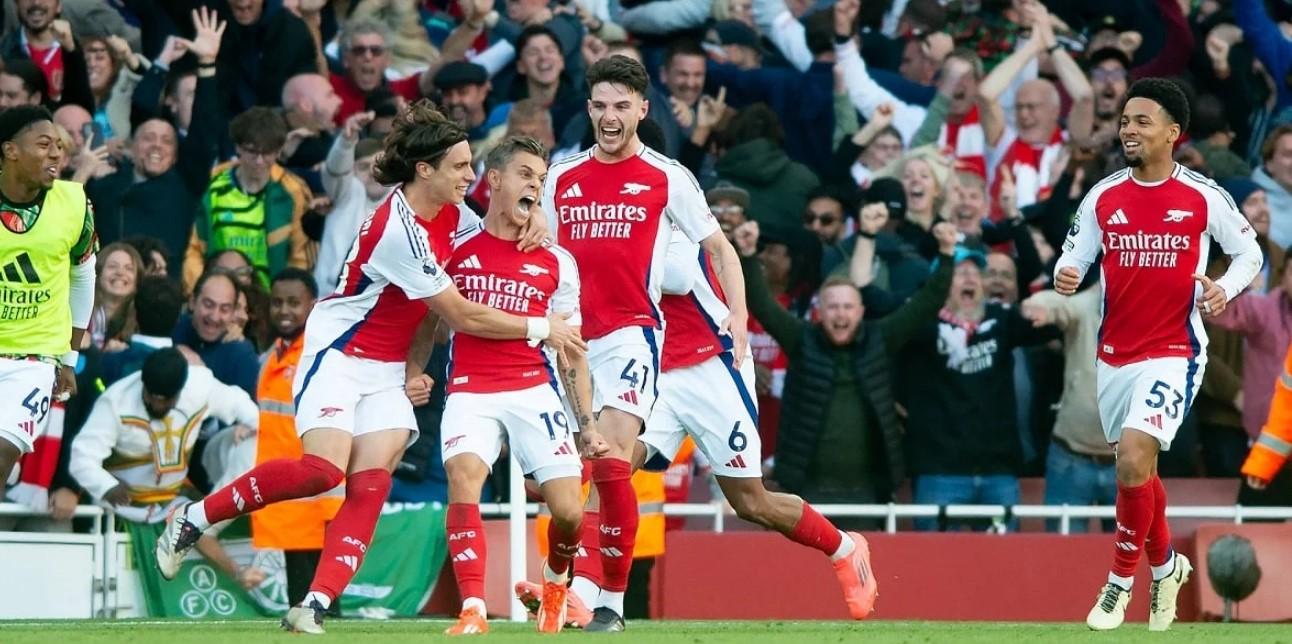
x=92, y=132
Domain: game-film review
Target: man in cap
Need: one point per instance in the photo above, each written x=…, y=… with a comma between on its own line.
x=464, y=88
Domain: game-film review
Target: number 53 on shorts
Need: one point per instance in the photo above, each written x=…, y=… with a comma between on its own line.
x=1152, y=396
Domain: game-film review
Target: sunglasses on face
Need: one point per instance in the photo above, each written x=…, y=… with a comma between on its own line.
x=825, y=218
x=724, y=210
x=1108, y=75
x=359, y=50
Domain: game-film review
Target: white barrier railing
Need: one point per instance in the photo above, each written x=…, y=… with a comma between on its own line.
x=104, y=569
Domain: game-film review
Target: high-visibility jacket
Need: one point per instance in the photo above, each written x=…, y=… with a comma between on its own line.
x=298, y=524
x=649, y=487
x=1275, y=442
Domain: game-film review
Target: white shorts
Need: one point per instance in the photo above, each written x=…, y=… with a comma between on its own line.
x=1152, y=396
x=25, y=387
x=533, y=420
x=339, y=391
x=625, y=370
x=716, y=405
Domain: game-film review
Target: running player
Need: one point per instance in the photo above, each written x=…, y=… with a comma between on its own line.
x=1155, y=222
x=47, y=246
x=611, y=207
x=497, y=386
x=352, y=411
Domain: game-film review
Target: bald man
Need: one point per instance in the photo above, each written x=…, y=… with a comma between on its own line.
x=309, y=104
x=73, y=118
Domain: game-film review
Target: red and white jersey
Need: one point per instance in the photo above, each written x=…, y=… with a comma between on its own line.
x=695, y=316
x=492, y=272
x=393, y=264
x=614, y=219
x=1154, y=238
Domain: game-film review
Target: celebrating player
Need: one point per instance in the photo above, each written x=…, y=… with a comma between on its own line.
x=351, y=408
x=509, y=385
x=47, y=246
x=1155, y=222
x=612, y=206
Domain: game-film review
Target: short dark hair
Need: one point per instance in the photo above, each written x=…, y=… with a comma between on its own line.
x=819, y=31
x=758, y=121
x=158, y=302
x=294, y=274
x=259, y=128
x=1166, y=93
x=619, y=70
x=33, y=80
x=682, y=47
x=1208, y=117
x=212, y=273
x=146, y=246
x=164, y=372
x=508, y=148
x=18, y=118
x=421, y=134
x=533, y=31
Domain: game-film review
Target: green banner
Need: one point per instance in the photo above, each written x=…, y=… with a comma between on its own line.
x=395, y=580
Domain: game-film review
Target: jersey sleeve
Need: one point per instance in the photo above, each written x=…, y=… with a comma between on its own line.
x=87, y=244
x=469, y=223
x=548, y=203
x=404, y=257
x=566, y=297
x=687, y=207
x=681, y=264
x=1084, y=237
x=1227, y=225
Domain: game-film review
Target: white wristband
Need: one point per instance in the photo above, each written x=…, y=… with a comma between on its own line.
x=537, y=328
x=70, y=359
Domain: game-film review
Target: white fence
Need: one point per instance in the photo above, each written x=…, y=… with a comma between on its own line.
x=83, y=575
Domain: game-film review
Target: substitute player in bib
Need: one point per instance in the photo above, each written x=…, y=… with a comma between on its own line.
x=47, y=246
x=352, y=411
x=1154, y=222
x=612, y=207
x=510, y=386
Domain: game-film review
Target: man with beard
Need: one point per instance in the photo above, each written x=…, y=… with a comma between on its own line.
x=295, y=527
x=958, y=376
x=155, y=192
x=47, y=41
x=309, y=106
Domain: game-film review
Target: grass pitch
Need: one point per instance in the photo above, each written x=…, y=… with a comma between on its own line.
x=671, y=632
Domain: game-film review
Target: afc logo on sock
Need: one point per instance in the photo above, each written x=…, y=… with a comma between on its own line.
x=612, y=530
x=469, y=534
x=356, y=543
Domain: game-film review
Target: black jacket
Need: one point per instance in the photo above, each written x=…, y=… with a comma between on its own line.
x=958, y=390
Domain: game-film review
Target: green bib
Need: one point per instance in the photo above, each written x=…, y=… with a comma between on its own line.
x=35, y=267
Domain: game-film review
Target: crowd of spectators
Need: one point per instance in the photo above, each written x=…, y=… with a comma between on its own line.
x=841, y=145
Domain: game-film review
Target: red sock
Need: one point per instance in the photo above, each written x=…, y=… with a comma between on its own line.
x=1134, y=519
x=347, y=537
x=587, y=563
x=815, y=531
x=467, y=548
x=270, y=482
x=612, y=477
x=562, y=547
x=1158, y=542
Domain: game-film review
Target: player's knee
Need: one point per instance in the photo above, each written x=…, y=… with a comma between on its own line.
x=466, y=472
x=567, y=518
x=1134, y=464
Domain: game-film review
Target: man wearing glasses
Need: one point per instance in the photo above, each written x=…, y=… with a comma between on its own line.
x=365, y=56
x=252, y=205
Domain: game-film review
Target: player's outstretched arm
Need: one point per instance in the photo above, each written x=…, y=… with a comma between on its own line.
x=465, y=316
x=1237, y=239
x=726, y=263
